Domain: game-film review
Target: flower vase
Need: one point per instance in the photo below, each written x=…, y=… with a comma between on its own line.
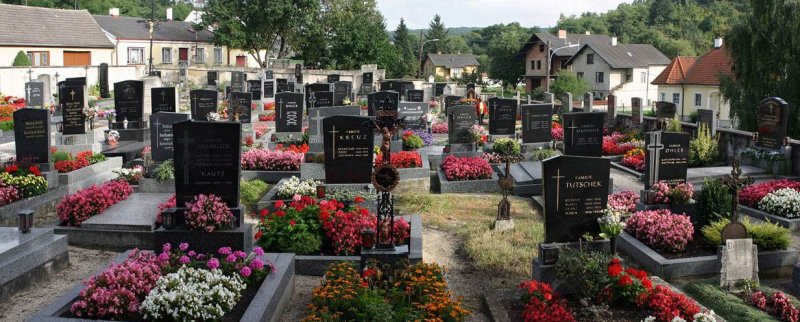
x=612, y=244
x=110, y=121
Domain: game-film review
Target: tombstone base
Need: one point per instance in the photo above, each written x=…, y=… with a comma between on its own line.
x=544, y=266
x=390, y=256
x=240, y=238
x=76, y=139
x=532, y=147
x=277, y=136
x=136, y=135
x=503, y=225
x=459, y=147
x=366, y=188
x=75, y=148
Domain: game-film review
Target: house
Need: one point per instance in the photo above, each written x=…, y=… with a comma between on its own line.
x=52, y=37
x=562, y=46
x=449, y=66
x=693, y=82
x=625, y=70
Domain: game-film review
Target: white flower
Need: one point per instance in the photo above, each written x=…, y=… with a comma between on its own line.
x=192, y=295
x=678, y=319
x=213, y=116
x=649, y=319
x=704, y=317
x=783, y=202
x=293, y=186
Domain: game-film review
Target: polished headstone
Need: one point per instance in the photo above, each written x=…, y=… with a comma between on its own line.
x=666, y=157
x=163, y=99
x=161, y=134
x=315, y=118
x=240, y=103
x=773, y=119
x=32, y=135
x=348, y=149
x=575, y=193
x=502, y=116
x=202, y=102
x=583, y=133
x=71, y=100
x=460, y=119
x=536, y=123
x=289, y=112
x=129, y=102
x=34, y=94
x=414, y=114
x=383, y=104
x=415, y=95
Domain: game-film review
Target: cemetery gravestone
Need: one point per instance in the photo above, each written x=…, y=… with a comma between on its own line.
x=289, y=109
x=706, y=116
x=211, y=78
x=237, y=82
x=161, y=134
x=575, y=194
x=333, y=78
x=665, y=110
x=129, y=103
x=666, y=157
x=566, y=102
x=536, y=123
x=588, y=99
x=383, y=104
x=414, y=114
x=34, y=94
x=341, y=90
x=322, y=99
x=202, y=103
x=269, y=74
x=405, y=87
x=738, y=263
x=269, y=89
x=207, y=160
x=366, y=78
x=317, y=115
x=583, y=134
x=636, y=110
x=254, y=87
x=415, y=95
x=282, y=85
x=773, y=119
x=311, y=100
x=163, y=99
x=502, y=116
x=80, y=81
x=47, y=91
x=549, y=98
x=102, y=80
x=460, y=120
x=240, y=103
x=71, y=101
x=348, y=149
x=438, y=89
x=450, y=100
x=611, y=114
x=32, y=135
x=390, y=86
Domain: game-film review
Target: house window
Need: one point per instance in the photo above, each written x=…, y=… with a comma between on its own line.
x=676, y=98
x=533, y=65
x=166, y=55
x=580, y=74
x=217, y=55
x=589, y=59
x=538, y=64
x=201, y=56
x=135, y=55
x=698, y=99
x=541, y=47
x=663, y=96
x=39, y=58
x=599, y=77
x=456, y=72
x=643, y=77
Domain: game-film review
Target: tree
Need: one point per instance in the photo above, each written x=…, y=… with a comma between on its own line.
x=357, y=35
x=403, y=45
x=505, y=66
x=567, y=82
x=437, y=30
x=765, y=57
x=21, y=59
x=260, y=27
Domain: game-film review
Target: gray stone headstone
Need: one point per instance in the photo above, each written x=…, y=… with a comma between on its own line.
x=636, y=110
x=315, y=118
x=549, y=98
x=666, y=157
x=47, y=93
x=414, y=114
x=588, y=99
x=566, y=102
x=34, y=94
x=738, y=263
x=611, y=107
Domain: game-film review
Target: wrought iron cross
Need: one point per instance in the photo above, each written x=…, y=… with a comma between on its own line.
x=735, y=183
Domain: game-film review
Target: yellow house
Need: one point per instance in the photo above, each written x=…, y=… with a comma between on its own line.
x=52, y=37
x=448, y=66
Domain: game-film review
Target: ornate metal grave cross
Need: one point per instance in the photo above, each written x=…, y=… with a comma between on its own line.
x=735, y=229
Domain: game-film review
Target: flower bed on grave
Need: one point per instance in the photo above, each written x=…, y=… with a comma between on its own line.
x=414, y=292
x=776, y=201
x=291, y=188
x=617, y=144
x=466, y=174
x=754, y=303
x=76, y=208
x=18, y=184
x=271, y=165
x=179, y=284
x=774, y=161
x=8, y=105
x=678, y=198
x=65, y=162
x=439, y=128
x=408, y=163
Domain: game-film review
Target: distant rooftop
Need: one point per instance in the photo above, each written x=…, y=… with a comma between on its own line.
x=129, y=28
x=626, y=55
x=45, y=27
x=453, y=60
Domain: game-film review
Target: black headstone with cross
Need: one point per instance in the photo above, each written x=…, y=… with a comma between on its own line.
x=341, y=90
x=289, y=112
x=348, y=149
x=322, y=99
x=460, y=119
x=537, y=123
x=575, y=193
x=34, y=94
x=254, y=87
x=773, y=120
x=161, y=134
x=415, y=95
x=129, y=103
x=163, y=99
x=240, y=103
x=382, y=104
x=502, y=116
x=71, y=100
x=202, y=102
x=207, y=160
x=666, y=157
x=315, y=118
x=311, y=97
x=32, y=135
x=583, y=133
x=269, y=88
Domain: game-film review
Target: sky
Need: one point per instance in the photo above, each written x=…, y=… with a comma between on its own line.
x=482, y=13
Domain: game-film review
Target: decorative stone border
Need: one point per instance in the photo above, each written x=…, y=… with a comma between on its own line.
x=792, y=224
x=694, y=266
x=466, y=186
x=239, y=238
x=619, y=166
x=9, y=212
x=268, y=305
x=613, y=158
x=36, y=255
x=414, y=173
x=87, y=176
x=315, y=265
x=269, y=176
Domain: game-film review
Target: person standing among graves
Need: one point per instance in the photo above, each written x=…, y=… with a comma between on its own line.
x=480, y=110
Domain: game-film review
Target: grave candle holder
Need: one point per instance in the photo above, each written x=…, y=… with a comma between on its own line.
x=367, y=239
x=755, y=136
x=25, y=221
x=320, y=191
x=169, y=218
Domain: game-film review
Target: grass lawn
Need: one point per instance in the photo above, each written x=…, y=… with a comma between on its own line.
x=727, y=305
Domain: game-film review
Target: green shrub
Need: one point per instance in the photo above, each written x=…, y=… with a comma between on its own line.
x=584, y=272
x=506, y=147
x=7, y=126
x=413, y=142
x=61, y=155
x=704, y=149
x=766, y=235
x=97, y=158
x=165, y=171
x=727, y=305
x=251, y=192
x=674, y=125
x=542, y=154
x=693, y=117
x=716, y=202
x=649, y=112
x=21, y=59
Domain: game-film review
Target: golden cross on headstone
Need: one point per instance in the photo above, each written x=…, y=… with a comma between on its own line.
x=558, y=178
x=333, y=140
x=73, y=94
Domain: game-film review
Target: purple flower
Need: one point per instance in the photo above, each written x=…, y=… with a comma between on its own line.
x=163, y=257
x=185, y=259
x=258, y=250
x=231, y=258
x=192, y=253
x=201, y=257
x=166, y=248
x=257, y=264
x=184, y=246
x=240, y=254
x=245, y=271
x=213, y=263
x=225, y=250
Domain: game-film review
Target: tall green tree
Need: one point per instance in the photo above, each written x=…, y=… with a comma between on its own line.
x=263, y=28
x=505, y=65
x=765, y=56
x=567, y=82
x=437, y=30
x=357, y=35
x=407, y=66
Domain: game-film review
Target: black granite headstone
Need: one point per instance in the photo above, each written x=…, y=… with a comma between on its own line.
x=583, y=133
x=71, y=101
x=536, y=123
x=161, y=134
x=207, y=160
x=102, y=80
x=666, y=157
x=333, y=78
x=163, y=99
x=341, y=90
x=773, y=119
x=450, y=100
x=415, y=95
x=237, y=82
x=321, y=99
x=383, y=104
x=367, y=78
x=129, y=102
x=202, y=102
x=289, y=112
x=406, y=86
x=240, y=102
x=460, y=119
x=34, y=94
x=311, y=100
x=81, y=81
x=282, y=85
x=269, y=74
x=348, y=149
x=269, y=89
x=502, y=116
x=390, y=86
x=575, y=193
x=315, y=118
x=706, y=116
x=438, y=89
x=666, y=110
x=32, y=135
x=414, y=114
x=254, y=86
x=211, y=78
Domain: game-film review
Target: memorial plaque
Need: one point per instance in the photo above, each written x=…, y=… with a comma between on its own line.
x=536, y=123
x=207, y=160
x=341, y=90
x=289, y=112
x=254, y=87
x=414, y=114
x=366, y=78
x=161, y=134
x=317, y=115
x=163, y=99
x=321, y=99
x=588, y=99
x=502, y=116
x=333, y=78
x=237, y=82
x=460, y=119
x=348, y=149
x=383, y=104
x=282, y=85
x=129, y=102
x=636, y=110
x=241, y=103
x=71, y=101
x=438, y=89
x=583, y=133
x=666, y=157
x=665, y=110
x=269, y=89
x=211, y=78
x=32, y=135
x=34, y=94
x=390, y=86
x=310, y=89
x=773, y=119
x=415, y=95
x=202, y=102
x=575, y=193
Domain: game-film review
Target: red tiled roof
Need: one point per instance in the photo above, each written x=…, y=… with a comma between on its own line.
x=709, y=67
x=676, y=71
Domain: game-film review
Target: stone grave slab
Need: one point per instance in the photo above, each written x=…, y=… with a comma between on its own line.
x=25, y=259
x=138, y=212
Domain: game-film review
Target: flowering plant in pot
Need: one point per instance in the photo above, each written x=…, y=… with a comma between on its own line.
x=208, y=213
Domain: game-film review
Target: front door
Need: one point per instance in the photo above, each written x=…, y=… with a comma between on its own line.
x=241, y=61
x=183, y=54
x=77, y=58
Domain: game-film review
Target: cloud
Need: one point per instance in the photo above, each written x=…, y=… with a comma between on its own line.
x=481, y=13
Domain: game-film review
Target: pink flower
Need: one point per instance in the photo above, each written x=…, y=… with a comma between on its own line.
x=240, y=254
x=163, y=257
x=245, y=271
x=257, y=264
x=191, y=253
x=166, y=248
x=231, y=258
x=296, y=197
x=183, y=246
x=258, y=250
x=225, y=251
x=185, y=260
x=213, y=263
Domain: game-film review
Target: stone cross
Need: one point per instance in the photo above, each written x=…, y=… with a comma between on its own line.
x=558, y=178
x=156, y=123
x=280, y=106
x=73, y=94
x=185, y=141
x=317, y=138
x=28, y=98
x=164, y=94
x=312, y=99
x=654, y=148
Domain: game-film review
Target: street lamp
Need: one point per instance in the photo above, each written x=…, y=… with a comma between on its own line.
x=419, y=74
x=549, y=59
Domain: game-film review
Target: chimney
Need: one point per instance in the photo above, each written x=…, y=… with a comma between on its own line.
x=717, y=42
x=588, y=33
x=114, y=12
x=169, y=14
x=562, y=34
x=613, y=41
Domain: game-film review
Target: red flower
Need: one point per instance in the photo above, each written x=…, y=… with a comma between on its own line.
x=358, y=199
x=279, y=204
x=280, y=213
x=35, y=170
x=625, y=281
x=614, y=270
x=264, y=213
x=258, y=235
x=292, y=223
